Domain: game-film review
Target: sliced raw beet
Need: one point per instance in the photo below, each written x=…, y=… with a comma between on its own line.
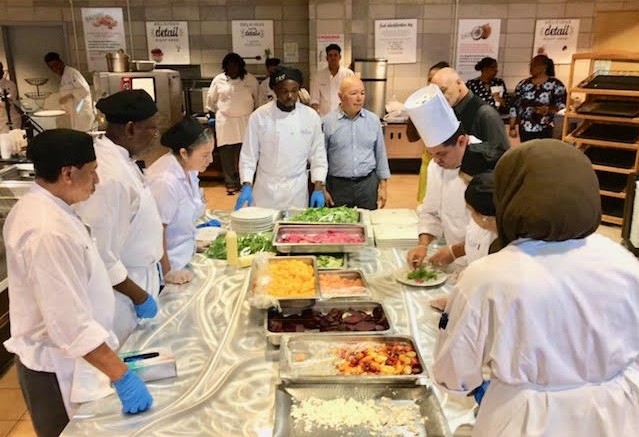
x=353, y=319
x=380, y=328
x=365, y=326
x=300, y=328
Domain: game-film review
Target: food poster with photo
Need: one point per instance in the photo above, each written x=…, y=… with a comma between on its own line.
x=323, y=41
x=396, y=41
x=253, y=40
x=103, y=33
x=168, y=42
x=476, y=39
x=556, y=39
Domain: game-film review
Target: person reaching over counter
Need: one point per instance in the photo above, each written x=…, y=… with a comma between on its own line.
x=75, y=94
x=175, y=186
x=122, y=212
x=552, y=314
x=61, y=303
x=282, y=137
x=357, y=162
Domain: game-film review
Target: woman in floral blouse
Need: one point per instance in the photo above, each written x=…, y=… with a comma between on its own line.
x=536, y=101
x=488, y=86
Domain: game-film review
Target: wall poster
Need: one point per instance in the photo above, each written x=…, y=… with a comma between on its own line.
x=556, y=39
x=103, y=33
x=168, y=42
x=476, y=39
x=396, y=40
x=253, y=40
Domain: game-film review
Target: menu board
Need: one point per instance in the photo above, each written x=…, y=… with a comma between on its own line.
x=103, y=33
x=253, y=39
x=476, y=39
x=556, y=39
x=396, y=40
x=168, y=42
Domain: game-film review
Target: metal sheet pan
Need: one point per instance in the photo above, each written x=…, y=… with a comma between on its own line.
x=288, y=214
x=434, y=424
x=355, y=230
x=302, y=302
x=349, y=274
x=275, y=338
x=311, y=346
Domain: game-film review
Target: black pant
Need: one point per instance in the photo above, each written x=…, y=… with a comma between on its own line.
x=527, y=136
x=354, y=192
x=42, y=395
x=230, y=159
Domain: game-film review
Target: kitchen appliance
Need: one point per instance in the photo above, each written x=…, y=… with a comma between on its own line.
x=117, y=62
x=164, y=86
x=142, y=65
x=373, y=74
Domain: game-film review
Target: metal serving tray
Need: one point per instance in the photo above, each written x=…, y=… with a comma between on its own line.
x=314, y=346
x=434, y=421
x=275, y=338
x=358, y=230
x=305, y=301
x=288, y=214
x=349, y=274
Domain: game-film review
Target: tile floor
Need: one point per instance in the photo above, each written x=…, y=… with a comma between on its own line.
x=14, y=419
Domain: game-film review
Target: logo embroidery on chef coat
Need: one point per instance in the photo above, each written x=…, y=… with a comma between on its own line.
x=306, y=131
x=443, y=322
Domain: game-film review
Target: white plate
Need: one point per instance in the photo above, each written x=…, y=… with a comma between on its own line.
x=208, y=234
x=400, y=276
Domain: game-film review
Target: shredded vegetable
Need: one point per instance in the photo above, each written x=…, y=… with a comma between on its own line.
x=247, y=244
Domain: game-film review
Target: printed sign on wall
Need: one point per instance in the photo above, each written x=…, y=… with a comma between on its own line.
x=291, y=54
x=103, y=33
x=168, y=42
x=323, y=40
x=476, y=39
x=396, y=40
x=253, y=40
x=556, y=39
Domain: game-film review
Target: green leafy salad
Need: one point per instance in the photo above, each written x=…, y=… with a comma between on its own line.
x=422, y=274
x=247, y=244
x=330, y=262
x=341, y=214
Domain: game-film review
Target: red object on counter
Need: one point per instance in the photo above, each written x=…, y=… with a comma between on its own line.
x=328, y=237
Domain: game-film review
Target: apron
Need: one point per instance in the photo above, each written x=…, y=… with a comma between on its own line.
x=280, y=182
x=233, y=113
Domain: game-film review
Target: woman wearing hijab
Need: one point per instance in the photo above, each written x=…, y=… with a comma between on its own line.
x=232, y=97
x=488, y=86
x=175, y=186
x=554, y=315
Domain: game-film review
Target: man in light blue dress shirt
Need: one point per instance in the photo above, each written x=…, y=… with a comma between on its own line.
x=357, y=163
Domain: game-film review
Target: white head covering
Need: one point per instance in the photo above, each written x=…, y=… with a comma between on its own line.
x=432, y=115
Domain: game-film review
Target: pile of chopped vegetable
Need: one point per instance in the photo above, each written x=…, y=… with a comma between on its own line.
x=289, y=278
x=340, y=214
x=422, y=274
x=330, y=262
x=247, y=244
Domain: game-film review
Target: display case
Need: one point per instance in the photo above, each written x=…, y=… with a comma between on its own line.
x=607, y=117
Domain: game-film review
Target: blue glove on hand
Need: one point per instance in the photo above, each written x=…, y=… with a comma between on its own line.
x=480, y=391
x=147, y=309
x=213, y=223
x=317, y=199
x=133, y=394
x=246, y=196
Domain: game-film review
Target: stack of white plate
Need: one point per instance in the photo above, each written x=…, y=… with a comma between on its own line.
x=394, y=217
x=395, y=236
x=253, y=219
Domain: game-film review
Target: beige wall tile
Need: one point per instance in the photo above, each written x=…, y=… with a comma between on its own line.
x=545, y=10
x=516, y=55
x=381, y=12
x=295, y=12
x=520, y=25
x=521, y=10
x=213, y=13
x=139, y=28
x=221, y=27
x=518, y=69
x=493, y=11
x=158, y=13
x=581, y=9
x=18, y=14
x=268, y=12
x=330, y=10
x=236, y=12
x=184, y=12
x=520, y=40
x=358, y=26
x=465, y=11
x=329, y=26
x=438, y=11
x=437, y=26
x=409, y=11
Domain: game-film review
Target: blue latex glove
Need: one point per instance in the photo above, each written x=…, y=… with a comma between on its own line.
x=133, y=394
x=317, y=199
x=246, y=196
x=147, y=309
x=480, y=391
x=213, y=223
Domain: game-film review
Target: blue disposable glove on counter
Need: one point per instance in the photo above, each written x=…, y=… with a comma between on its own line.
x=147, y=309
x=133, y=394
x=246, y=196
x=317, y=199
x=480, y=391
x=213, y=223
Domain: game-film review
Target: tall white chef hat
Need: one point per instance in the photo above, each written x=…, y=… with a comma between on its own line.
x=432, y=115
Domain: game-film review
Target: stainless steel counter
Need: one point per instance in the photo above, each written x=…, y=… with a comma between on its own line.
x=227, y=373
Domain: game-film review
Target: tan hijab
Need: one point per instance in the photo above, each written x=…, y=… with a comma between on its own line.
x=545, y=190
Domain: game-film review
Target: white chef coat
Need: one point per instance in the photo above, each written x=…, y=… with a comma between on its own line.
x=443, y=211
x=265, y=94
x=477, y=241
x=61, y=303
x=232, y=100
x=179, y=203
x=127, y=227
x=6, y=84
x=276, y=149
x=555, y=322
x=80, y=108
x=324, y=89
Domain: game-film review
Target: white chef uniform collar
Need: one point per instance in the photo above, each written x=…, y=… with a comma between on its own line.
x=432, y=115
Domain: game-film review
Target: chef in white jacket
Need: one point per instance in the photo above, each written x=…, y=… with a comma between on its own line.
x=482, y=228
x=553, y=315
x=122, y=212
x=283, y=136
x=265, y=94
x=61, y=303
x=231, y=99
x=75, y=94
x=175, y=186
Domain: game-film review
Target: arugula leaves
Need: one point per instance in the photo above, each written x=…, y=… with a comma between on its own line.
x=247, y=244
x=340, y=214
x=421, y=274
